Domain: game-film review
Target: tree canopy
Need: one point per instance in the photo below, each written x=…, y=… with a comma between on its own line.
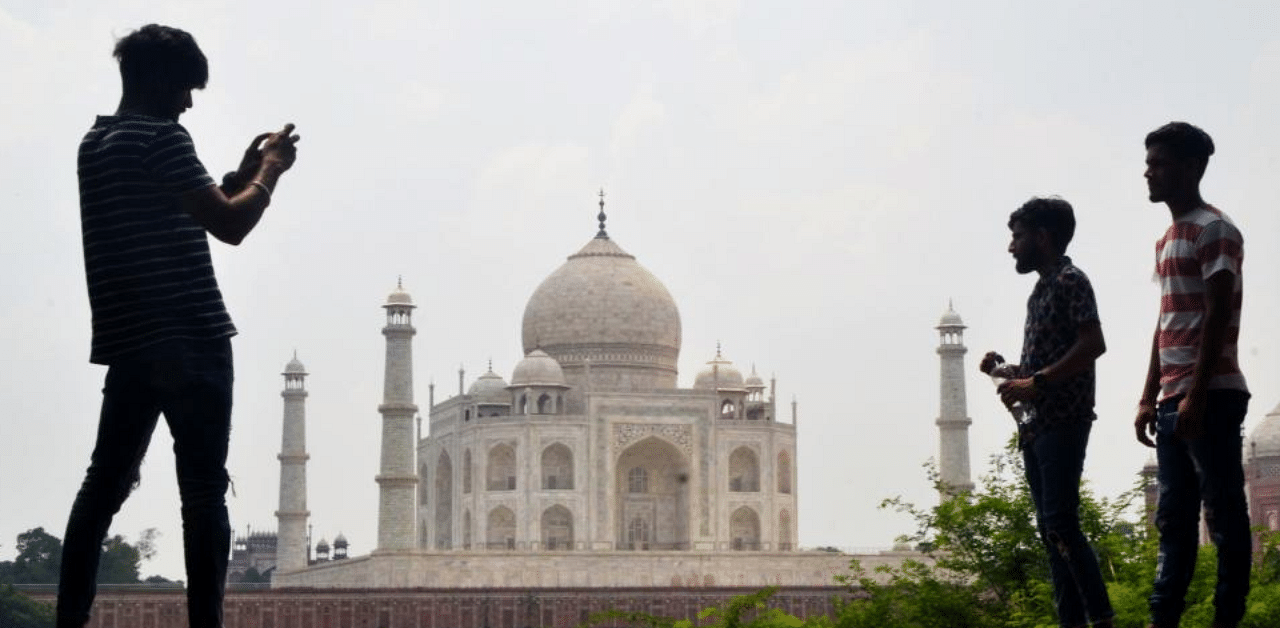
x=40, y=556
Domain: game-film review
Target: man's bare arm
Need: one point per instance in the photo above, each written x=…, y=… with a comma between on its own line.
x=1144, y=425
x=1089, y=345
x=231, y=219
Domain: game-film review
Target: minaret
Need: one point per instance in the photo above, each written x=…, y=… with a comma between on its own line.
x=953, y=422
x=291, y=518
x=397, y=481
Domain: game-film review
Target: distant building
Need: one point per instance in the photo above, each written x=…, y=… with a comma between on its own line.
x=253, y=556
x=1262, y=472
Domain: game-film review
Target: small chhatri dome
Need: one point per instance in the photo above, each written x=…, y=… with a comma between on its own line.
x=753, y=380
x=399, y=297
x=340, y=541
x=489, y=387
x=322, y=546
x=295, y=366
x=538, y=369
x=950, y=318
x=1264, y=442
x=719, y=374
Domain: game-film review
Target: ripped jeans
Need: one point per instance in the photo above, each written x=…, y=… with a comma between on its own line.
x=190, y=383
x=1054, y=460
x=1205, y=470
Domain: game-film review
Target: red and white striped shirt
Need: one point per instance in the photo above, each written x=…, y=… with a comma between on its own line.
x=1198, y=245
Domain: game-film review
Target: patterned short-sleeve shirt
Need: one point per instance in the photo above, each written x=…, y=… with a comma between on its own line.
x=146, y=260
x=1060, y=303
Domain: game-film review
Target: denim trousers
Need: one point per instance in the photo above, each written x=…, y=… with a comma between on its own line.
x=1208, y=471
x=189, y=382
x=1054, y=461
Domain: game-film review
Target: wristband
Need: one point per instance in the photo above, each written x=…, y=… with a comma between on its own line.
x=261, y=186
x=1038, y=379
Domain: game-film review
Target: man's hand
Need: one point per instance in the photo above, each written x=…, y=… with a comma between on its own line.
x=1144, y=426
x=280, y=150
x=1016, y=390
x=251, y=161
x=1190, y=424
x=989, y=362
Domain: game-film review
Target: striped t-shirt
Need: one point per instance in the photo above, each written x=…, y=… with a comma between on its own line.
x=146, y=260
x=1196, y=246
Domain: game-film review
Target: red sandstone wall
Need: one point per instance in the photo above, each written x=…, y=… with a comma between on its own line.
x=458, y=608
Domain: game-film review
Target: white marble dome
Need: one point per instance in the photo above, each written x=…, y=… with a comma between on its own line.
x=1265, y=439
x=950, y=318
x=603, y=306
x=399, y=297
x=721, y=372
x=295, y=366
x=538, y=369
x=489, y=387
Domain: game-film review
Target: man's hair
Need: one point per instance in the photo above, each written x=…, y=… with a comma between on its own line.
x=1052, y=214
x=157, y=58
x=1185, y=141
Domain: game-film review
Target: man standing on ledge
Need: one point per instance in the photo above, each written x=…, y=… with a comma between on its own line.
x=1202, y=396
x=1062, y=340
x=159, y=324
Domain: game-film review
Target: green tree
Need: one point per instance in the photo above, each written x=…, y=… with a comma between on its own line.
x=20, y=611
x=40, y=556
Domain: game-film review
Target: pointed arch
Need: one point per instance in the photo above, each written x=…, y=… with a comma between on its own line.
x=500, y=531
x=501, y=472
x=444, y=501
x=784, y=530
x=545, y=406
x=466, y=529
x=784, y=472
x=652, y=493
x=557, y=467
x=744, y=529
x=744, y=471
x=557, y=528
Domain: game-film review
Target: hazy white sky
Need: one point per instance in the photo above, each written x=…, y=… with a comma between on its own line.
x=812, y=181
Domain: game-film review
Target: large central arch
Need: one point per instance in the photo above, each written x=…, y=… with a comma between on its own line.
x=651, y=484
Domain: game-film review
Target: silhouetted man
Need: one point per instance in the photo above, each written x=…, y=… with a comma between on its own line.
x=159, y=324
x=1195, y=398
x=1056, y=378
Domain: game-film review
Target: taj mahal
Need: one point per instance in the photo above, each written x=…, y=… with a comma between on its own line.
x=590, y=466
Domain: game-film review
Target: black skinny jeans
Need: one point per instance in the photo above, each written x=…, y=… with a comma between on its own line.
x=190, y=383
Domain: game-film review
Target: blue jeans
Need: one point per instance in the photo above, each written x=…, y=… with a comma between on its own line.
x=1054, y=460
x=190, y=383
x=1205, y=470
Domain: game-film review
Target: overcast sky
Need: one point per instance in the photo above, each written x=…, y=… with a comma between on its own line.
x=812, y=181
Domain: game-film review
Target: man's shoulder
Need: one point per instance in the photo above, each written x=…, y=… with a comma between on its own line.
x=1070, y=274
x=133, y=128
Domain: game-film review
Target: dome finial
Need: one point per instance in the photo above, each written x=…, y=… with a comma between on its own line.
x=399, y=282
x=717, y=349
x=601, y=217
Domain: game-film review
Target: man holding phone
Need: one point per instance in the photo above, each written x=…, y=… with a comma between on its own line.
x=159, y=323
